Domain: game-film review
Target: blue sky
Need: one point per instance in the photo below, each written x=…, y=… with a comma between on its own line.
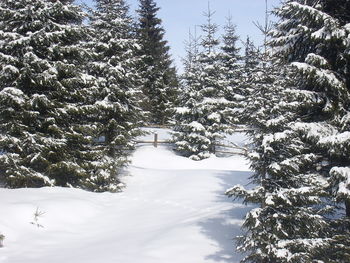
x=179, y=16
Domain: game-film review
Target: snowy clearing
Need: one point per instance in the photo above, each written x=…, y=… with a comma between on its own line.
x=173, y=210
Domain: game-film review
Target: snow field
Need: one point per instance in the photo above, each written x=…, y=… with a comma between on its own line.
x=173, y=210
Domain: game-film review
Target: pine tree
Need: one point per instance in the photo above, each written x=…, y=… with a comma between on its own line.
x=114, y=66
x=204, y=117
x=232, y=63
x=190, y=60
x=251, y=55
x=289, y=220
x=296, y=158
x=160, y=85
x=258, y=78
x=189, y=135
x=45, y=133
x=251, y=63
x=321, y=60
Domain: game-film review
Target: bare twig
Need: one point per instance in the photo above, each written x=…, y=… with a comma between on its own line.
x=37, y=215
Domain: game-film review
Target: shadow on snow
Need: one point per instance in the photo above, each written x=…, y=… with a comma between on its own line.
x=226, y=225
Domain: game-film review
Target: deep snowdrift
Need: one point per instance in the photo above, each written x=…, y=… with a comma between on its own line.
x=173, y=210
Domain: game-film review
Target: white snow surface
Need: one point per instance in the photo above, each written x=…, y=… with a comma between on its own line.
x=173, y=210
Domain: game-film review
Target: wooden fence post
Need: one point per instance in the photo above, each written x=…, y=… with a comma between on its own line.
x=155, y=140
x=2, y=237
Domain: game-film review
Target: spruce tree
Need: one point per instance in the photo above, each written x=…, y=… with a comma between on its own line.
x=232, y=62
x=190, y=60
x=251, y=58
x=297, y=159
x=321, y=60
x=189, y=135
x=204, y=117
x=289, y=222
x=114, y=66
x=45, y=95
x=160, y=80
x=248, y=71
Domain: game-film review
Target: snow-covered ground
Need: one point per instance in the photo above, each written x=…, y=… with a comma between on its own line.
x=173, y=211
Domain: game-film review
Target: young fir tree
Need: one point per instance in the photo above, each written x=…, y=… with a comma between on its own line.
x=190, y=61
x=189, y=77
x=160, y=80
x=255, y=79
x=251, y=55
x=284, y=227
x=232, y=62
x=189, y=135
x=251, y=60
x=46, y=137
x=114, y=66
x=300, y=156
x=204, y=117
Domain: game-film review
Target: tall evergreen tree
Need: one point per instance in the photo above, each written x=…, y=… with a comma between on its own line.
x=322, y=62
x=204, y=117
x=232, y=62
x=45, y=96
x=302, y=142
x=160, y=80
x=190, y=60
x=251, y=56
x=114, y=67
x=189, y=135
x=230, y=50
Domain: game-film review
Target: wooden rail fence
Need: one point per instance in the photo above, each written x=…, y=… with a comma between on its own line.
x=156, y=142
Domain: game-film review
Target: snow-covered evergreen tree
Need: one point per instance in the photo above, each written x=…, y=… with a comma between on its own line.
x=114, y=67
x=204, y=116
x=318, y=50
x=248, y=72
x=190, y=61
x=189, y=135
x=46, y=99
x=160, y=80
x=290, y=220
x=232, y=63
x=259, y=72
x=301, y=141
x=251, y=55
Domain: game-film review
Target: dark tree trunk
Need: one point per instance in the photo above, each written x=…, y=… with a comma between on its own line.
x=347, y=208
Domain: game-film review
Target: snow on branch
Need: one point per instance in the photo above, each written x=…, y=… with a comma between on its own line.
x=341, y=175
